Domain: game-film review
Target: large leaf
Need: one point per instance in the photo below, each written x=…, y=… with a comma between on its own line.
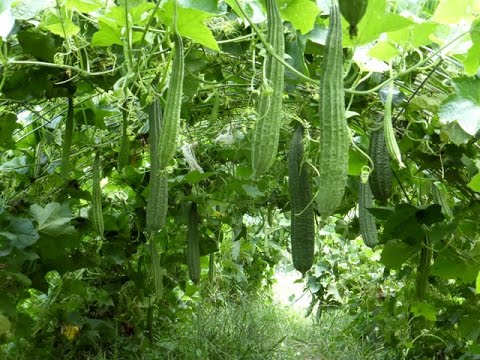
x=463, y=107
x=452, y=265
x=396, y=252
x=19, y=233
x=8, y=124
x=300, y=13
x=191, y=23
x=53, y=219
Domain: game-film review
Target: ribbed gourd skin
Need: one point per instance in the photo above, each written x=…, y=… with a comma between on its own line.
x=302, y=231
x=332, y=158
x=193, y=245
x=368, y=226
x=167, y=141
x=97, y=213
x=266, y=133
x=157, y=201
x=381, y=177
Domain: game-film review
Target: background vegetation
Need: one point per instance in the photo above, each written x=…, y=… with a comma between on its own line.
x=68, y=292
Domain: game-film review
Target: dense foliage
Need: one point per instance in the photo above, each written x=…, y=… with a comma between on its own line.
x=79, y=273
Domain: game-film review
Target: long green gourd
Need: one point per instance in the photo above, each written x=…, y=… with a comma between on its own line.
x=368, y=226
x=67, y=139
x=157, y=201
x=193, y=244
x=332, y=158
x=302, y=230
x=390, y=140
x=97, y=212
x=167, y=141
x=381, y=177
x=266, y=133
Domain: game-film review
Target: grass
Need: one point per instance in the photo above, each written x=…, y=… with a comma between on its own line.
x=253, y=329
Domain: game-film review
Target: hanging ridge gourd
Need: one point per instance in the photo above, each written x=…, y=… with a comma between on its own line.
x=67, y=139
x=266, y=133
x=302, y=229
x=193, y=244
x=368, y=226
x=157, y=201
x=97, y=212
x=353, y=11
x=167, y=141
x=332, y=157
x=392, y=145
x=381, y=177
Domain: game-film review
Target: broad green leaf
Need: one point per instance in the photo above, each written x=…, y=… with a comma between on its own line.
x=375, y=22
x=83, y=6
x=474, y=184
x=425, y=310
x=294, y=48
x=28, y=9
x=106, y=36
x=252, y=191
x=300, y=13
x=53, y=219
x=191, y=23
x=463, y=107
x=472, y=60
x=384, y=50
x=203, y=5
x=449, y=265
x=456, y=134
x=415, y=35
x=194, y=177
x=356, y=161
x=38, y=44
x=8, y=124
x=397, y=252
x=63, y=27
x=452, y=12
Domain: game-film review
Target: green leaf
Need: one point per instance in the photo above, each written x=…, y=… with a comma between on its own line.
x=63, y=27
x=449, y=265
x=452, y=13
x=397, y=252
x=252, y=191
x=295, y=48
x=383, y=50
x=8, y=124
x=474, y=184
x=415, y=35
x=28, y=9
x=38, y=44
x=194, y=177
x=463, y=107
x=300, y=13
x=191, y=23
x=356, y=161
x=83, y=6
x=53, y=219
x=472, y=60
x=425, y=310
x=107, y=35
x=375, y=22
